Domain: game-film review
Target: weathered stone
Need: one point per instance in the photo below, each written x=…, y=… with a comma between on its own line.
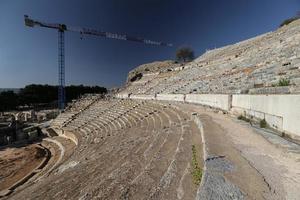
x=270, y=90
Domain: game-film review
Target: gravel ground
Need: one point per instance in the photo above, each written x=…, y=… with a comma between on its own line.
x=215, y=186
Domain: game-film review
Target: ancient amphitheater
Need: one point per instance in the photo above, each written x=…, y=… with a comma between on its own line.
x=173, y=133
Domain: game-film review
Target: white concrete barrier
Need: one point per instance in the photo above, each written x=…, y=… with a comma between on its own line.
x=170, y=97
x=221, y=101
x=282, y=112
x=142, y=96
x=122, y=95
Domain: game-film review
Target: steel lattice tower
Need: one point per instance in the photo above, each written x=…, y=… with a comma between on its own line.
x=61, y=70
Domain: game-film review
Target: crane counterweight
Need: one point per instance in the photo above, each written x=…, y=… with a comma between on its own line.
x=28, y=22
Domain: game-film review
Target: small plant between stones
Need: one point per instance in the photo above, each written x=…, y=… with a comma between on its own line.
x=263, y=123
x=282, y=82
x=241, y=117
x=196, y=170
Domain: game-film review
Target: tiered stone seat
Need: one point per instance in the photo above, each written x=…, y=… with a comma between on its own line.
x=251, y=66
x=115, y=136
x=121, y=144
x=73, y=109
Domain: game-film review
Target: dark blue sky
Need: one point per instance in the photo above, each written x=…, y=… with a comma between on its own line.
x=30, y=55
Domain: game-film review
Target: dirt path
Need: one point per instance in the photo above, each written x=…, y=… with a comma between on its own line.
x=262, y=166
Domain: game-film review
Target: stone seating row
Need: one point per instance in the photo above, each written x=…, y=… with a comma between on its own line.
x=260, y=62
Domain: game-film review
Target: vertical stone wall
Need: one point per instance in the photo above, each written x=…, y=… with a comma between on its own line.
x=170, y=97
x=221, y=101
x=147, y=97
x=281, y=112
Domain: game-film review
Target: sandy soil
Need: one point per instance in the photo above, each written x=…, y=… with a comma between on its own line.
x=17, y=162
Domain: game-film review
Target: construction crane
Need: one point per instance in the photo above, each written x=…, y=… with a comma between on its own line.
x=83, y=31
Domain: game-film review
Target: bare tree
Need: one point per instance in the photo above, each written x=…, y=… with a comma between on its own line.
x=184, y=54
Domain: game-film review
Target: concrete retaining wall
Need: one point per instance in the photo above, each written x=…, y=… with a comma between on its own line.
x=282, y=112
x=170, y=97
x=147, y=97
x=122, y=95
x=221, y=101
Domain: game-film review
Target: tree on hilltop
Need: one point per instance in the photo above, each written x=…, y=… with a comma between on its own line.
x=290, y=20
x=184, y=54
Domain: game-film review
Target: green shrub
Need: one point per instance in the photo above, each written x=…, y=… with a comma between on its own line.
x=284, y=82
x=263, y=123
x=241, y=117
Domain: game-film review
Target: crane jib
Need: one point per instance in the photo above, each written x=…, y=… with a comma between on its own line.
x=61, y=58
x=120, y=37
x=62, y=27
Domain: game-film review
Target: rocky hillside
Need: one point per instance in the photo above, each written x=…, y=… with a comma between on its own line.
x=154, y=67
x=266, y=64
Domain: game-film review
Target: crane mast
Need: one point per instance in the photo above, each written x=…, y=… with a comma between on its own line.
x=84, y=31
x=61, y=70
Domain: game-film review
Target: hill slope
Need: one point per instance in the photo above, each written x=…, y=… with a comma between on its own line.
x=269, y=63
